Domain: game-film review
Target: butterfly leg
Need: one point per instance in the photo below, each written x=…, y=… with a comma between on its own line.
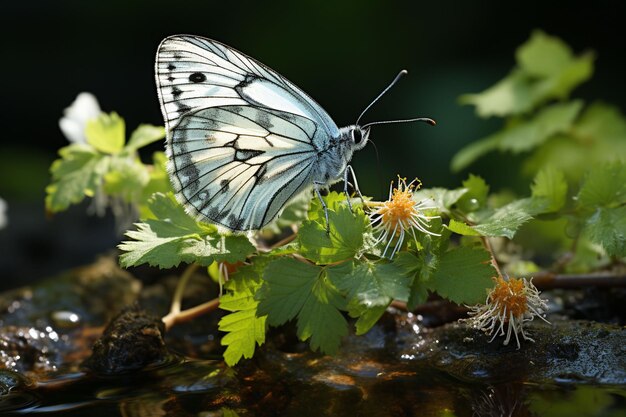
x=317, y=186
x=356, y=185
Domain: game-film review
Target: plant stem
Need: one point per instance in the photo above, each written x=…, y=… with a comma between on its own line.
x=180, y=288
x=494, y=262
x=191, y=313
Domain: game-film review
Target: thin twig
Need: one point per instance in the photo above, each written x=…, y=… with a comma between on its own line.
x=191, y=313
x=494, y=262
x=180, y=288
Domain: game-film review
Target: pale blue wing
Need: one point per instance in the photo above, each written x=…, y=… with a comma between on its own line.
x=195, y=73
x=238, y=165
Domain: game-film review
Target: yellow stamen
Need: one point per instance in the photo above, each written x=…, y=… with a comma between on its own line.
x=510, y=296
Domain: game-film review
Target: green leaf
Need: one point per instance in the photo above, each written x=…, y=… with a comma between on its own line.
x=127, y=177
x=551, y=185
x=106, y=133
x=174, y=237
x=511, y=95
x=522, y=135
x=553, y=66
x=144, y=135
x=607, y=227
x=79, y=173
x=158, y=182
x=476, y=196
x=443, y=199
x=374, y=284
x=462, y=228
x=546, y=70
x=507, y=219
x=345, y=240
x=245, y=329
x=367, y=317
x=419, y=269
x=463, y=275
x=295, y=289
x=543, y=55
x=472, y=151
x=605, y=185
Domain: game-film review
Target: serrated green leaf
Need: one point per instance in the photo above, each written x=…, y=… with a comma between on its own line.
x=287, y=285
x=320, y=318
x=106, y=133
x=461, y=228
x=551, y=185
x=345, y=240
x=374, y=284
x=173, y=237
x=245, y=329
x=605, y=185
x=476, y=196
x=419, y=268
x=144, y=135
x=507, y=219
x=294, y=289
x=607, y=227
x=78, y=174
x=463, y=274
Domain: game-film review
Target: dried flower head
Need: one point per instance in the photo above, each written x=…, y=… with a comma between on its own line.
x=511, y=303
x=401, y=214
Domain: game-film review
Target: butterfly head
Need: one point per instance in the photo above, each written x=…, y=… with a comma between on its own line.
x=358, y=136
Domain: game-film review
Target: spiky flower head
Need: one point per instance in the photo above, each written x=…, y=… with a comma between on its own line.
x=401, y=214
x=511, y=303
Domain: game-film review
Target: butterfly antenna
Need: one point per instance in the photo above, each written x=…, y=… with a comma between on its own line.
x=395, y=80
x=387, y=122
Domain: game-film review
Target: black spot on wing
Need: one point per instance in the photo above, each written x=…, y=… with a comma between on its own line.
x=235, y=223
x=176, y=92
x=197, y=77
x=225, y=184
x=245, y=154
x=171, y=67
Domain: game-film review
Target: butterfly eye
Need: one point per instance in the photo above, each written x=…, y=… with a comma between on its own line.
x=357, y=136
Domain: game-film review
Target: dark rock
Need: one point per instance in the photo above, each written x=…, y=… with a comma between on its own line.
x=132, y=341
x=564, y=351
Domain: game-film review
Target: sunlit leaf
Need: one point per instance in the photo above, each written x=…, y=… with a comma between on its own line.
x=550, y=184
x=245, y=329
x=174, y=237
x=106, y=133
x=144, y=135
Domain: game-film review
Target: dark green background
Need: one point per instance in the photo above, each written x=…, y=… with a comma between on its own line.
x=341, y=53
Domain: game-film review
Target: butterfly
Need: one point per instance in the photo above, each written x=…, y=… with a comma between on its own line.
x=243, y=141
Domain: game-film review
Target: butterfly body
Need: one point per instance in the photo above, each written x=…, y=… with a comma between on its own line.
x=243, y=141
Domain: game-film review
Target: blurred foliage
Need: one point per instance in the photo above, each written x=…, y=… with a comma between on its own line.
x=575, y=151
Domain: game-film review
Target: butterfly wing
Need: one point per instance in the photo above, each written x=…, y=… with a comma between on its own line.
x=242, y=140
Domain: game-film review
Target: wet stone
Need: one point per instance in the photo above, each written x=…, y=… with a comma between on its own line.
x=565, y=351
x=132, y=341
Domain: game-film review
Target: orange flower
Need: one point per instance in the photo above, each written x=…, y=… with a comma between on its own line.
x=512, y=302
x=399, y=214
